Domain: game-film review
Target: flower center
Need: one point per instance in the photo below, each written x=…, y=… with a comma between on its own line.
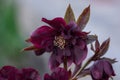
x=59, y=42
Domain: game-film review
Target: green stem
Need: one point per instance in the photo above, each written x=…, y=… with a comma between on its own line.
x=82, y=68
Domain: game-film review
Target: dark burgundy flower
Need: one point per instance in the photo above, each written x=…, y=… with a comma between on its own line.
x=12, y=73
x=28, y=74
x=102, y=70
x=8, y=73
x=58, y=74
x=63, y=40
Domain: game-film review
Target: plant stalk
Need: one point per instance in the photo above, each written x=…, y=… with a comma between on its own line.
x=82, y=68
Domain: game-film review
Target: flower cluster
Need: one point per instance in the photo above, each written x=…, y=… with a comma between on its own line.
x=66, y=41
x=12, y=73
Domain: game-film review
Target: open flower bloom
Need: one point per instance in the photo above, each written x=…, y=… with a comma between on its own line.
x=102, y=70
x=12, y=73
x=58, y=74
x=63, y=40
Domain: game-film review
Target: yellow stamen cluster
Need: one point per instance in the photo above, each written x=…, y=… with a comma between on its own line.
x=59, y=42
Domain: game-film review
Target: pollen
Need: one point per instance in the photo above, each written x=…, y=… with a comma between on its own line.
x=59, y=42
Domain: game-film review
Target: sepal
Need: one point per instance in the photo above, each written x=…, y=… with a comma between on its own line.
x=69, y=15
x=84, y=18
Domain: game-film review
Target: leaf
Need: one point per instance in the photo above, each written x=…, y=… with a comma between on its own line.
x=29, y=48
x=97, y=44
x=69, y=15
x=112, y=61
x=91, y=38
x=104, y=47
x=77, y=67
x=100, y=50
x=83, y=18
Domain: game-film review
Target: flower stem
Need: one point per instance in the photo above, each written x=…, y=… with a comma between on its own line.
x=65, y=63
x=82, y=68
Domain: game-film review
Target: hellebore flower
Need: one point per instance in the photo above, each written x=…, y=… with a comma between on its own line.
x=8, y=73
x=58, y=74
x=102, y=70
x=12, y=73
x=63, y=40
x=29, y=74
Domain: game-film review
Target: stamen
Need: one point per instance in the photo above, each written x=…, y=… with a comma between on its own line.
x=59, y=42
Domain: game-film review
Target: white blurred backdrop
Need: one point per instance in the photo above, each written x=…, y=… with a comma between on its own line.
x=104, y=21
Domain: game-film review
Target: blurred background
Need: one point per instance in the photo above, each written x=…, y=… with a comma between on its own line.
x=18, y=18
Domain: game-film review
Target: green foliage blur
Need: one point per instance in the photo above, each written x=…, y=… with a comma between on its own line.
x=11, y=42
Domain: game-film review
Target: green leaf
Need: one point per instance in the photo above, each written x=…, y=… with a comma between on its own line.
x=69, y=15
x=84, y=18
x=104, y=47
x=91, y=38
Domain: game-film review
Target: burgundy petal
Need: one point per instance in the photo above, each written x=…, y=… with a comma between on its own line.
x=53, y=63
x=41, y=35
x=81, y=44
x=67, y=52
x=71, y=58
x=97, y=70
x=108, y=69
x=56, y=23
x=79, y=54
x=49, y=45
x=59, y=55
